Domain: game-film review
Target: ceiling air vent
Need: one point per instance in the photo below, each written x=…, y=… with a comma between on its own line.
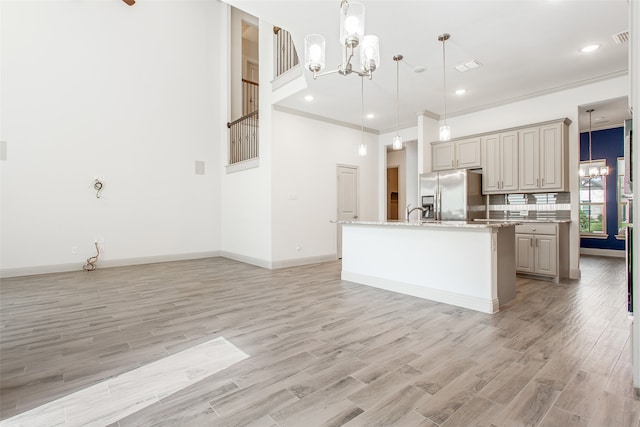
x=621, y=37
x=470, y=65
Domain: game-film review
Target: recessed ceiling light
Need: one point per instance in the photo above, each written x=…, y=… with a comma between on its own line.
x=590, y=48
x=370, y=116
x=419, y=69
x=308, y=98
x=598, y=119
x=461, y=91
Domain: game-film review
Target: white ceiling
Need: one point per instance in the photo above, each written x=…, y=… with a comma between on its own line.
x=526, y=48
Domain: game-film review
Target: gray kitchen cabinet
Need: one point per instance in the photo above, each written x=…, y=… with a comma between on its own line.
x=542, y=249
x=500, y=166
x=459, y=154
x=543, y=154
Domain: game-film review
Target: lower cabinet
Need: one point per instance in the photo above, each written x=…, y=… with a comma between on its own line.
x=542, y=249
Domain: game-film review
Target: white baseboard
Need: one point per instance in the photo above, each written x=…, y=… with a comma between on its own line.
x=296, y=262
x=62, y=268
x=602, y=252
x=246, y=259
x=473, y=303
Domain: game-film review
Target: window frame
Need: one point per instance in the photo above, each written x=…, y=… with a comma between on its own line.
x=591, y=235
x=622, y=201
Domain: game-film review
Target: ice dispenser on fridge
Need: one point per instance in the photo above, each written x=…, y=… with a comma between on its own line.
x=428, y=204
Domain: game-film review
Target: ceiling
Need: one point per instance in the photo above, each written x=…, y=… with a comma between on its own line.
x=525, y=48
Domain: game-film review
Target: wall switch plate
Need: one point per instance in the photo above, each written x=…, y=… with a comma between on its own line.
x=74, y=250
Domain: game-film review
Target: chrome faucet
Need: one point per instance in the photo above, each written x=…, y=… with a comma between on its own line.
x=415, y=209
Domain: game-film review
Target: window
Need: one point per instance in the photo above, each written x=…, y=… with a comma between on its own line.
x=623, y=202
x=593, y=202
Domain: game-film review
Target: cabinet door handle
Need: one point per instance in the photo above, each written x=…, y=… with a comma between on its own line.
x=537, y=182
x=452, y=164
x=543, y=182
x=457, y=163
x=531, y=242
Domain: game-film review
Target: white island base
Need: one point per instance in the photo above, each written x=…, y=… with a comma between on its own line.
x=467, y=264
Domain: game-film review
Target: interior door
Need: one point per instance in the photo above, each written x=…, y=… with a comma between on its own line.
x=347, y=199
x=392, y=194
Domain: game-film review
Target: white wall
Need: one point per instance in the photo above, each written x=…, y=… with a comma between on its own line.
x=428, y=131
x=306, y=153
x=547, y=107
x=103, y=89
x=246, y=195
x=413, y=189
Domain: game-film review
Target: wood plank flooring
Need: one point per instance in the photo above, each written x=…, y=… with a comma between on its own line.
x=324, y=351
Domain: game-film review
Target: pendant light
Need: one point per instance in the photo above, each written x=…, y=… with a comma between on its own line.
x=397, y=140
x=593, y=171
x=445, y=131
x=362, y=150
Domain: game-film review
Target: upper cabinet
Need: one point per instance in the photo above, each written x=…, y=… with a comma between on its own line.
x=463, y=153
x=543, y=158
x=500, y=167
x=525, y=159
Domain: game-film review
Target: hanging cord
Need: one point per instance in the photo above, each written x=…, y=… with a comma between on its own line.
x=362, y=108
x=397, y=58
x=91, y=262
x=444, y=37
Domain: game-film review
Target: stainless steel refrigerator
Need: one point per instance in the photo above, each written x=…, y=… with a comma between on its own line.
x=454, y=195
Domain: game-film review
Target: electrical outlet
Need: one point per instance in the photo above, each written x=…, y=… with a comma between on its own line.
x=298, y=247
x=101, y=246
x=74, y=250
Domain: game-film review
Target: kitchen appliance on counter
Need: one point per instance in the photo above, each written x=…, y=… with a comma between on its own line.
x=452, y=195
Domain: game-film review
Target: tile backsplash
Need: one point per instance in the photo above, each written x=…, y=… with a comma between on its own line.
x=530, y=206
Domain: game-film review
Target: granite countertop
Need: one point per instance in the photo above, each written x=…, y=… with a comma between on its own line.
x=524, y=220
x=477, y=224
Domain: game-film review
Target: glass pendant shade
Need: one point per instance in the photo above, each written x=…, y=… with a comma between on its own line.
x=604, y=171
x=351, y=23
x=397, y=142
x=445, y=133
x=362, y=150
x=314, y=52
x=593, y=171
x=581, y=173
x=370, y=53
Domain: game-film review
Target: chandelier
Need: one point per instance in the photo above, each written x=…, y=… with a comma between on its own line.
x=351, y=36
x=593, y=171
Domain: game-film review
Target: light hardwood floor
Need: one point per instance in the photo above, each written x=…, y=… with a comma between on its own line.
x=324, y=351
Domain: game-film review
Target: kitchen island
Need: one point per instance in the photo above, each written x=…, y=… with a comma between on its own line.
x=469, y=264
